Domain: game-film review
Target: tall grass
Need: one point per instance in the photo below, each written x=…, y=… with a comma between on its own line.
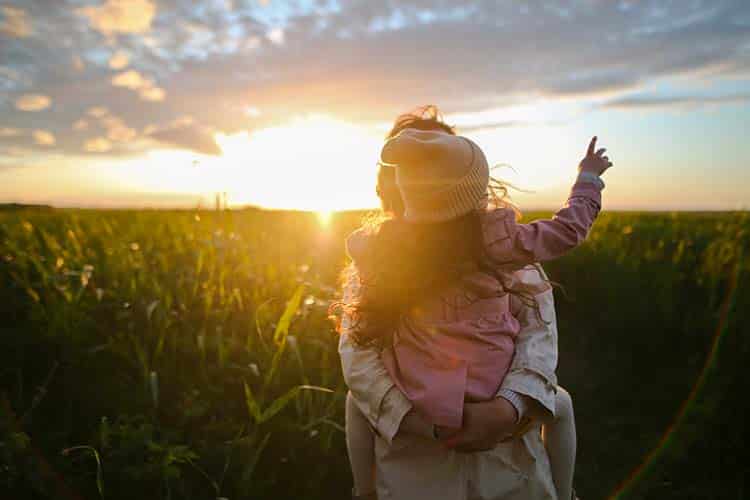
x=188, y=355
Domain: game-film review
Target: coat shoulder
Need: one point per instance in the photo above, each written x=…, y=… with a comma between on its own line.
x=496, y=224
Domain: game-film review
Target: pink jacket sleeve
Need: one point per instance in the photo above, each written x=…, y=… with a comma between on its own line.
x=513, y=245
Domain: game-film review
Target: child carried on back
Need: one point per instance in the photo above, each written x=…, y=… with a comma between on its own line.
x=435, y=284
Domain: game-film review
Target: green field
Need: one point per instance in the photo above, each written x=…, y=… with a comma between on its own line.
x=148, y=354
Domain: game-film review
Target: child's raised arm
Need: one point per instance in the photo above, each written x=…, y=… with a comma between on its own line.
x=514, y=245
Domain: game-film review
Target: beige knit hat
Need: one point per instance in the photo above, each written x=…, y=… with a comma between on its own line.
x=440, y=176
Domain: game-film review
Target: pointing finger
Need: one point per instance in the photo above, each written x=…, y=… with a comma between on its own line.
x=592, y=146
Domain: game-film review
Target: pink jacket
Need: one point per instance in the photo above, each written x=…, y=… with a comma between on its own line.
x=457, y=345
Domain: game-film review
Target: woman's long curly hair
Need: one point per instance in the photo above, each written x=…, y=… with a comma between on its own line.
x=407, y=262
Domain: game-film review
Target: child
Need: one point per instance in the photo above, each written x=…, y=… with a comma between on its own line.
x=435, y=286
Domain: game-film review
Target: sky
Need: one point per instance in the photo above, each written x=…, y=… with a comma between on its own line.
x=162, y=103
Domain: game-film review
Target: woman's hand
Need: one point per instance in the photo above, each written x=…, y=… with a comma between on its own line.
x=416, y=425
x=485, y=425
x=594, y=162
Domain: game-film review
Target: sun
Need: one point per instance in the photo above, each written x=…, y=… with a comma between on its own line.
x=324, y=217
x=313, y=162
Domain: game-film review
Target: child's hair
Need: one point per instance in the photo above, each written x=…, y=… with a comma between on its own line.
x=409, y=261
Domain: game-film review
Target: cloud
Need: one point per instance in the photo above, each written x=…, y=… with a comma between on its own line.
x=186, y=134
x=660, y=102
x=478, y=55
x=496, y=124
x=39, y=137
x=43, y=138
x=97, y=145
x=15, y=151
x=121, y=16
x=33, y=102
x=130, y=79
x=80, y=124
x=276, y=36
x=78, y=63
x=119, y=60
x=97, y=111
x=145, y=87
x=117, y=130
x=361, y=61
x=15, y=24
x=153, y=94
x=114, y=127
x=596, y=82
x=6, y=132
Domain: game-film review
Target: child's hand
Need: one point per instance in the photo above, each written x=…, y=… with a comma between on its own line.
x=594, y=162
x=413, y=423
x=485, y=425
x=442, y=432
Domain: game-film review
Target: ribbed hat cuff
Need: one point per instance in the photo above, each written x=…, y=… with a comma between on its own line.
x=468, y=194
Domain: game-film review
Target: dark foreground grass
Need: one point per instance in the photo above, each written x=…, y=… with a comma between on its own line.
x=188, y=355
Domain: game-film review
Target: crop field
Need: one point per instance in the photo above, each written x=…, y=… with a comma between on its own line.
x=189, y=355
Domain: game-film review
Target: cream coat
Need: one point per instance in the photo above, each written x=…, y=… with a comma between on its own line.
x=413, y=468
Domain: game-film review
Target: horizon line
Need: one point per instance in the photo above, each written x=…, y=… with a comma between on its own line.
x=239, y=208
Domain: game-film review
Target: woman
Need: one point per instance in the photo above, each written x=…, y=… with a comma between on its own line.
x=412, y=465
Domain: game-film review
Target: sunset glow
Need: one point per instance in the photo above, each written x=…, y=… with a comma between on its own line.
x=323, y=164
x=324, y=217
x=311, y=162
x=285, y=105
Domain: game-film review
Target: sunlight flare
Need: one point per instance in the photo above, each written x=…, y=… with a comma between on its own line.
x=324, y=217
x=313, y=162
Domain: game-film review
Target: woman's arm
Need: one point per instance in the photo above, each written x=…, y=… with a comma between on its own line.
x=374, y=391
x=532, y=372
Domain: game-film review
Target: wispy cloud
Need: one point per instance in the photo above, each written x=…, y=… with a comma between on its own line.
x=150, y=63
x=97, y=145
x=185, y=133
x=14, y=22
x=145, y=87
x=660, y=102
x=276, y=35
x=121, y=16
x=33, y=102
x=114, y=126
x=9, y=132
x=43, y=138
x=119, y=60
